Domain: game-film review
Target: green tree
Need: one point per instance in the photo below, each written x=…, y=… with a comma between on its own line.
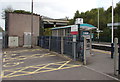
x=47, y=32
x=22, y=11
x=77, y=15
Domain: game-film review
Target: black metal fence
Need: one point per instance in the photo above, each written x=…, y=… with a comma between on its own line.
x=4, y=40
x=43, y=41
x=55, y=44
x=68, y=45
x=62, y=45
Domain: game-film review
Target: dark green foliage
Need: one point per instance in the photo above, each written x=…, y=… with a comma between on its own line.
x=22, y=11
x=47, y=32
x=91, y=17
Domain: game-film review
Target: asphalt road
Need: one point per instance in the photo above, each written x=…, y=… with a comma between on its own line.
x=41, y=64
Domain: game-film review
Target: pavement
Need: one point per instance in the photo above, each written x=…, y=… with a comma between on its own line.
x=101, y=61
x=42, y=64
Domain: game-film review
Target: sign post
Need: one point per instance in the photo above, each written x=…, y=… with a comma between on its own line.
x=109, y=25
x=74, y=47
x=77, y=23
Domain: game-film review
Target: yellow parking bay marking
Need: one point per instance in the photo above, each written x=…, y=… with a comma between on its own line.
x=38, y=69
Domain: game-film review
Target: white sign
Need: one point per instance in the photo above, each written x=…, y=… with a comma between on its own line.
x=114, y=24
x=74, y=28
x=79, y=21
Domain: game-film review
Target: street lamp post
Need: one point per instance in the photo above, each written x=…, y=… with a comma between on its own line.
x=112, y=44
x=98, y=26
x=32, y=24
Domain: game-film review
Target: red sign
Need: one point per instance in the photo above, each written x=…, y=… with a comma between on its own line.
x=74, y=29
x=74, y=33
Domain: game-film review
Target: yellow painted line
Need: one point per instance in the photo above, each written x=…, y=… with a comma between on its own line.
x=44, y=67
x=40, y=71
x=101, y=51
x=35, y=65
x=14, y=64
x=17, y=71
x=26, y=57
x=41, y=68
x=63, y=65
x=19, y=51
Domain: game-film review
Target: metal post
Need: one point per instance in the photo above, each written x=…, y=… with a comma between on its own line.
x=50, y=43
x=79, y=34
x=98, y=25
x=112, y=44
x=112, y=50
x=62, y=45
x=91, y=42
x=112, y=22
x=116, y=57
x=74, y=47
x=85, y=44
x=32, y=24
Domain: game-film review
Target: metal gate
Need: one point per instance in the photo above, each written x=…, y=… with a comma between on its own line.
x=43, y=41
x=70, y=48
x=55, y=44
x=68, y=44
x=80, y=49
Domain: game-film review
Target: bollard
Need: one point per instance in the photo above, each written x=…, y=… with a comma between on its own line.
x=116, y=56
x=119, y=57
x=85, y=44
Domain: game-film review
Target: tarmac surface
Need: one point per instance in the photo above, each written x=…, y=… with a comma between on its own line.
x=41, y=64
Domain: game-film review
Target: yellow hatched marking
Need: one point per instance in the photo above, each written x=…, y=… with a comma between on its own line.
x=44, y=66
x=63, y=65
x=14, y=64
x=41, y=68
x=19, y=51
x=17, y=71
x=26, y=57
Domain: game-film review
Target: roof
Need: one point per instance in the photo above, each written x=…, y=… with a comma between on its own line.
x=82, y=26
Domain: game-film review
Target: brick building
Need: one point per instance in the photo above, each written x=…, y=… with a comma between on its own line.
x=17, y=24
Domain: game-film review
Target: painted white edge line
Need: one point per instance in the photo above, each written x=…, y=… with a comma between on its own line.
x=102, y=73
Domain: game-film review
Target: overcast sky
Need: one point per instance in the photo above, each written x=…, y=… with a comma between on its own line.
x=55, y=8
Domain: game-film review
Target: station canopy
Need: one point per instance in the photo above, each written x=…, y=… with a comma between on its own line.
x=82, y=27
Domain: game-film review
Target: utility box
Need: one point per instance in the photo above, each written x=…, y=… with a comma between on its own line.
x=13, y=41
x=27, y=39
